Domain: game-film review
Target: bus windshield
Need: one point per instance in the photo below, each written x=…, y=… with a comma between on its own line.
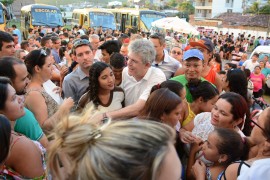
x=148, y=18
x=1, y=15
x=46, y=17
x=106, y=20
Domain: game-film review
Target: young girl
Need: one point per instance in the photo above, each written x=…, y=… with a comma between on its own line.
x=220, y=149
x=102, y=95
x=163, y=106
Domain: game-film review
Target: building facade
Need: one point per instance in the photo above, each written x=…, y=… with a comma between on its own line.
x=206, y=9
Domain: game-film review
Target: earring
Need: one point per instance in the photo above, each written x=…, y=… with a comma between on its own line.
x=219, y=161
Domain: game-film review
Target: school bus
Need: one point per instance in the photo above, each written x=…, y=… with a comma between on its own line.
x=4, y=17
x=136, y=19
x=40, y=15
x=93, y=18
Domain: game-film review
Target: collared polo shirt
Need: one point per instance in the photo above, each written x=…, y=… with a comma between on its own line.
x=135, y=90
x=75, y=84
x=169, y=65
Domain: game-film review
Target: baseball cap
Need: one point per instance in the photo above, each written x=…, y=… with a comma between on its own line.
x=193, y=53
x=204, y=43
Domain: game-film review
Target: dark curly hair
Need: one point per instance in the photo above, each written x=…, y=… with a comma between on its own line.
x=93, y=88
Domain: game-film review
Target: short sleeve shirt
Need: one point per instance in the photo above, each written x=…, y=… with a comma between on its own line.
x=182, y=79
x=28, y=126
x=135, y=90
x=169, y=65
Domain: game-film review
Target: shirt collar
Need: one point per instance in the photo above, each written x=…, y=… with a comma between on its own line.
x=148, y=74
x=81, y=74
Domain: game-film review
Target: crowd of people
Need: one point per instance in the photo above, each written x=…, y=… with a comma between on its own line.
x=95, y=104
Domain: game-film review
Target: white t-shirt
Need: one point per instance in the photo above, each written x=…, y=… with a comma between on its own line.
x=116, y=102
x=250, y=65
x=260, y=169
x=135, y=90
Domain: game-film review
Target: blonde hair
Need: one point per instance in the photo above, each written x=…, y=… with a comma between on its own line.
x=119, y=150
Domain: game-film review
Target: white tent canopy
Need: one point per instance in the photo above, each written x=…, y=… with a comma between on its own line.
x=176, y=24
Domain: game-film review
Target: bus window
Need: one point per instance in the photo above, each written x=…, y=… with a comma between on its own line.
x=49, y=17
x=148, y=18
x=106, y=20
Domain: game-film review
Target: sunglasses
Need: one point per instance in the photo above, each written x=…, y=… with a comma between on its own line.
x=42, y=53
x=81, y=42
x=176, y=52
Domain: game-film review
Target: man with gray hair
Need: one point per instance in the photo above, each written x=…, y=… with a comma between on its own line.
x=138, y=78
x=94, y=40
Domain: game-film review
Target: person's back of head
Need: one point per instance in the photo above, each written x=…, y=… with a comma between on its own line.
x=117, y=60
x=202, y=89
x=85, y=37
x=172, y=85
x=95, y=152
x=110, y=46
x=237, y=82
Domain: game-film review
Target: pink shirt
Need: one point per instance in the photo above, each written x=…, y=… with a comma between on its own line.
x=257, y=81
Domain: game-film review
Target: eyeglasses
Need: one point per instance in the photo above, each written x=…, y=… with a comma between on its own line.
x=263, y=130
x=176, y=52
x=81, y=42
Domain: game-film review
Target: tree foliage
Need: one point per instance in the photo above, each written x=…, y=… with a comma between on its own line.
x=7, y=2
x=186, y=7
x=255, y=8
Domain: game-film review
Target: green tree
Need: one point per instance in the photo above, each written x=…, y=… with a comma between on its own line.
x=265, y=9
x=172, y=3
x=186, y=7
x=7, y=2
x=254, y=8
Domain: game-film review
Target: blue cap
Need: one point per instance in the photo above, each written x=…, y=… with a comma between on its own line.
x=193, y=53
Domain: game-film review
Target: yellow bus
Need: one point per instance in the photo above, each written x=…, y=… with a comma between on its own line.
x=40, y=15
x=4, y=17
x=136, y=19
x=93, y=18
